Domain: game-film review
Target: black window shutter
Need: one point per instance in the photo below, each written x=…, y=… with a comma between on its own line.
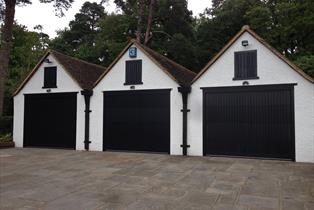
x=133, y=72
x=245, y=65
x=50, y=77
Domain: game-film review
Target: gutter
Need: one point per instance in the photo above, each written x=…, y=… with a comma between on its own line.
x=87, y=94
x=185, y=90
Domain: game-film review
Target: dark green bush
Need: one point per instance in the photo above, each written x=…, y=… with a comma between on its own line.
x=5, y=137
x=6, y=124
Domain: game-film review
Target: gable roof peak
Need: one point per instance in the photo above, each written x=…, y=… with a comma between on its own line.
x=82, y=72
x=177, y=72
x=247, y=29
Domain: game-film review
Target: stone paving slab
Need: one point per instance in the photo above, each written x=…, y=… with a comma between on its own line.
x=63, y=179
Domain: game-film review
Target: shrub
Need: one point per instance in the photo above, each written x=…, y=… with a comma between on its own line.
x=5, y=137
x=6, y=124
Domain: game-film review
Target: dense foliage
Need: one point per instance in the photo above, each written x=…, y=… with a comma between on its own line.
x=27, y=49
x=98, y=37
x=6, y=125
x=288, y=25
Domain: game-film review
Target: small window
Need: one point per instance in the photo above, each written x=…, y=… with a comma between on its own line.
x=245, y=65
x=133, y=72
x=50, y=77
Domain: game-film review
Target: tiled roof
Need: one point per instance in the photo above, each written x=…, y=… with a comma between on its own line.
x=183, y=75
x=83, y=72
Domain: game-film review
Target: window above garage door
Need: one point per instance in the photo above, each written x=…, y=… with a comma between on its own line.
x=245, y=65
x=50, y=77
x=133, y=72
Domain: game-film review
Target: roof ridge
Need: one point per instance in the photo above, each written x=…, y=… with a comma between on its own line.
x=77, y=59
x=113, y=63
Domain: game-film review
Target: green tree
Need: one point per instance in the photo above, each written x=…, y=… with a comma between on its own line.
x=288, y=25
x=173, y=28
x=175, y=18
x=219, y=24
x=306, y=62
x=27, y=48
x=85, y=25
x=115, y=31
x=180, y=49
x=216, y=4
x=81, y=38
x=144, y=12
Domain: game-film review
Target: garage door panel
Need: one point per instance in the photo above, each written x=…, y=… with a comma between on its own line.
x=141, y=122
x=249, y=121
x=50, y=120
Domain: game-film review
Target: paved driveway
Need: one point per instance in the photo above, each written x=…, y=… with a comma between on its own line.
x=63, y=179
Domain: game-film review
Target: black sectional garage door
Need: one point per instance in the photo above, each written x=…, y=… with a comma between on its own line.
x=253, y=121
x=137, y=120
x=50, y=120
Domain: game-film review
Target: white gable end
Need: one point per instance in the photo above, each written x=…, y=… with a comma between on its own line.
x=152, y=75
x=65, y=83
x=270, y=68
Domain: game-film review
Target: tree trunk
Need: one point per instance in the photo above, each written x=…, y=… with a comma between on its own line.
x=6, y=40
x=149, y=21
x=140, y=20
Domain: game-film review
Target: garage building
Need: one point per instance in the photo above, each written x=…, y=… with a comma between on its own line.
x=49, y=105
x=137, y=105
x=248, y=101
x=251, y=101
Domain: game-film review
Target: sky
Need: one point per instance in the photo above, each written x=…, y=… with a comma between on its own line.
x=43, y=14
